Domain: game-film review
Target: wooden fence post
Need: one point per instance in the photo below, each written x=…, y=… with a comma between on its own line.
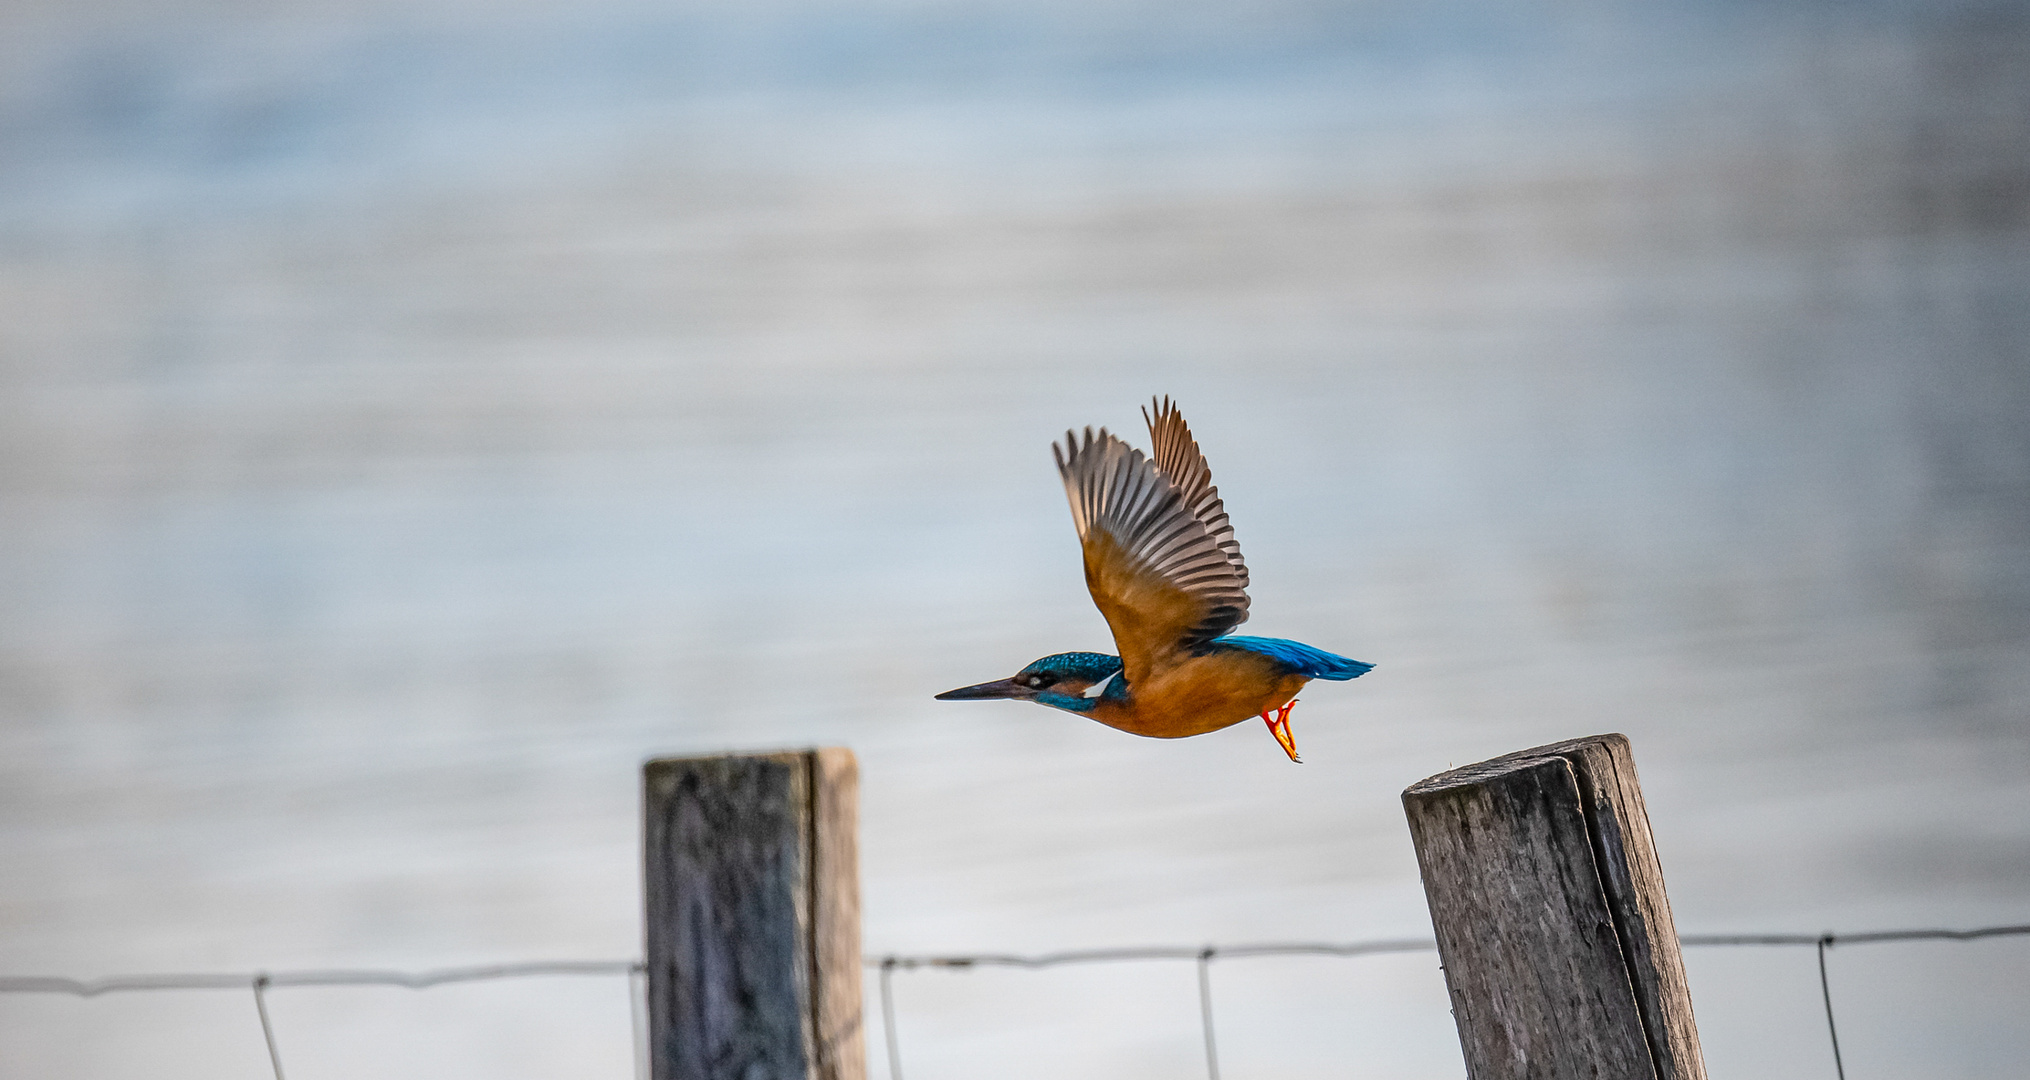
x=1553, y=927
x=753, y=916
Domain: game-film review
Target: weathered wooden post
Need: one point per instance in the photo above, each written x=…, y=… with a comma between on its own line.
x=753, y=911
x=1552, y=923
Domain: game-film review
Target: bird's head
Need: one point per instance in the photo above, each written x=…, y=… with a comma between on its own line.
x=1074, y=680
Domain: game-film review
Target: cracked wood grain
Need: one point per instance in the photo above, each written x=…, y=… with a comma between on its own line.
x=753, y=917
x=1552, y=922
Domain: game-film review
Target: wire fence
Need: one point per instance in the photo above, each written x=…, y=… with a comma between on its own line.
x=259, y=983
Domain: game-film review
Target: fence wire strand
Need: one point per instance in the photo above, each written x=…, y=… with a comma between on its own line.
x=637, y=1017
x=1205, y=1011
x=635, y=972
x=413, y=980
x=1826, y=992
x=888, y=1018
x=1205, y=954
x=267, y=1029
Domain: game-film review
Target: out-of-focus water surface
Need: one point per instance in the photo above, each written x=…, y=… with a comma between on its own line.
x=414, y=416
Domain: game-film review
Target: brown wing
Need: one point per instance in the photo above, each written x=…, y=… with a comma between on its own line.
x=1157, y=572
x=1176, y=453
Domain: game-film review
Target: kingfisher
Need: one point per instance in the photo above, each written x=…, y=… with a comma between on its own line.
x=1165, y=571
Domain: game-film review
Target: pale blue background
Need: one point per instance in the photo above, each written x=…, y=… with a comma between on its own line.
x=413, y=415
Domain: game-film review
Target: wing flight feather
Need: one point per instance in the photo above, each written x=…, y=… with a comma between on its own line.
x=1161, y=560
x=1176, y=453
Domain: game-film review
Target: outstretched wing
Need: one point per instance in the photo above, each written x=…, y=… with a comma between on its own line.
x=1160, y=559
x=1177, y=456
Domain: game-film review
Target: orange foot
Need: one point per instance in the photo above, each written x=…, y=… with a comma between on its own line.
x=1279, y=726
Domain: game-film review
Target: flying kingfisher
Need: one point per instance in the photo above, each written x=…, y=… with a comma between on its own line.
x=1165, y=570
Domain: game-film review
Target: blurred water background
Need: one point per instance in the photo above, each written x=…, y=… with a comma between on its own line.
x=412, y=416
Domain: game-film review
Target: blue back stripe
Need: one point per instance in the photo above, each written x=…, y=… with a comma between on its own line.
x=1301, y=659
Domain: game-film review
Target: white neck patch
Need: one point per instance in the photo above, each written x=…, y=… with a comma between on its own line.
x=1098, y=688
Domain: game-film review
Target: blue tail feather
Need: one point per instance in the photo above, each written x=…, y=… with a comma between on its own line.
x=1306, y=660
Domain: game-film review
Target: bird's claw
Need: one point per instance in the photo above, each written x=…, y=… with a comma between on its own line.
x=1279, y=726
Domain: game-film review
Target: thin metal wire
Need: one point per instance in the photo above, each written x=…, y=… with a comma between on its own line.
x=1391, y=945
x=267, y=1030
x=637, y=1015
x=413, y=980
x=888, y=1019
x=419, y=980
x=1203, y=955
x=263, y=981
x=1158, y=952
x=1205, y=1011
x=1826, y=990
x=1868, y=938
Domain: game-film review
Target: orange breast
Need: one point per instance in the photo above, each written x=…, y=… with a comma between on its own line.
x=1201, y=694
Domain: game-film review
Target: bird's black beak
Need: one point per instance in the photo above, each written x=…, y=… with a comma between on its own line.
x=1000, y=688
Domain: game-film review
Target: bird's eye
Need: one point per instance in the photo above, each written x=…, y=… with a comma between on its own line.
x=1039, y=680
